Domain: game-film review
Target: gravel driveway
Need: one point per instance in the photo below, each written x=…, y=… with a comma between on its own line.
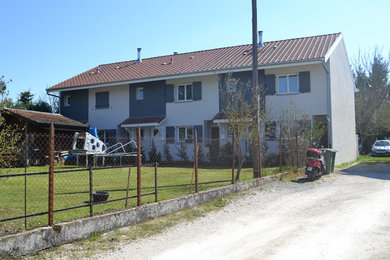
x=341, y=216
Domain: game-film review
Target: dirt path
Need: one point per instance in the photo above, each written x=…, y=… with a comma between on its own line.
x=342, y=216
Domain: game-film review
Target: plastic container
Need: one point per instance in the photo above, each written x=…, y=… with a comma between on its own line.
x=330, y=158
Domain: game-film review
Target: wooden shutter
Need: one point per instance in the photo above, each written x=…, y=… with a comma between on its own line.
x=169, y=93
x=170, y=134
x=270, y=84
x=199, y=131
x=197, y=90
x=102, y=99
x=304, y=81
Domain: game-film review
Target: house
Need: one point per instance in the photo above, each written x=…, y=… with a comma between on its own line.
x=35, y=126
x=170, y=96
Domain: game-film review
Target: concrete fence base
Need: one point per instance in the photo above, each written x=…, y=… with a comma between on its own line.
x=29, y=242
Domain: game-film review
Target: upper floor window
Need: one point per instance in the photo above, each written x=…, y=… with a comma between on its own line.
x=288, y=84
x=184, y=92
x=232, y=85
x=140, y=93
x=102, y=99
x=66, y=100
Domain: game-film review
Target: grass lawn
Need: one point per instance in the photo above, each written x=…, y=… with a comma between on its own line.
x=71, y=189
x=365, y=159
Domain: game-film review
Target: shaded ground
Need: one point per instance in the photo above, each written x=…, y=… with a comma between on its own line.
x=342, y=216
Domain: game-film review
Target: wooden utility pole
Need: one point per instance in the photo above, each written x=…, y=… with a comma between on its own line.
x=255, y=80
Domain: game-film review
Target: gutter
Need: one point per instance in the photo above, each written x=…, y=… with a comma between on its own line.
x=329, y=103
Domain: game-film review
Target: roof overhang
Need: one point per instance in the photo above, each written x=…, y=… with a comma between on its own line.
x=193, y=74
x=138, y=122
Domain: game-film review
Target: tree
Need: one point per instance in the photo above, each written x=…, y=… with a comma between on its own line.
x=371, y=75
x=25, y=99
x=239, y=103
x=4, y=100
x=41, y=106
x=10, y=138
x=297, y=134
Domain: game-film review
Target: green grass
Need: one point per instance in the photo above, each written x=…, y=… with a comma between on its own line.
x=365, y=159
x=72, y=189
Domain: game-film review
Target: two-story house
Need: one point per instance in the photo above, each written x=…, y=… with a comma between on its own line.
x=170, y=96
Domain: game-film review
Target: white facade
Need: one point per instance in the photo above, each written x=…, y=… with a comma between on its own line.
x=342, y=90
x=313, y=102
x=117, y=112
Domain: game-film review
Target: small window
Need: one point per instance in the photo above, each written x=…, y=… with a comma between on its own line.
x=288, y=84
x=184, y=92
x=140, y=93
x=102, y=99
x=185, y=133
x=270, y=130
x=66, y=100
x=232, y=85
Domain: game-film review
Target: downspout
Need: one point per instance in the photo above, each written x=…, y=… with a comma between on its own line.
x=329, y=103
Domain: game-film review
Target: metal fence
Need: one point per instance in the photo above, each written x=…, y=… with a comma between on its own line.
x=48, y=180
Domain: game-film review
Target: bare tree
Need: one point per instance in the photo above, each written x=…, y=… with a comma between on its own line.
x=371, y=74
x=239, y=104
x=297, y=134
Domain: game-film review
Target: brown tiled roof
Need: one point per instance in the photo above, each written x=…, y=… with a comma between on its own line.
x=292, y=50
x=219, y=116
x=143, y=120
x=42, y=118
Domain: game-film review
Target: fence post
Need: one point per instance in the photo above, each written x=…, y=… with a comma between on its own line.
x=296, y=144
x=280, y=149
x=51, y=174
x=196, y=162
x=259, y=151
x=128, y=186
x=90, y=192
x=155, y=182
x=139, y=166
x=25, y=175
x=233, y=156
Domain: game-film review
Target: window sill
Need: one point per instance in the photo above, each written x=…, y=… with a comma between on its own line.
x=102, y=108
x=286, y=94
x=184, y=101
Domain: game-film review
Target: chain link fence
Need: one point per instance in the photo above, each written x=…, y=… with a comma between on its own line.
x=91, y=176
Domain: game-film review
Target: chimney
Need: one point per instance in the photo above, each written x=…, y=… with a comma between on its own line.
x=261, y=45
x=139, y=60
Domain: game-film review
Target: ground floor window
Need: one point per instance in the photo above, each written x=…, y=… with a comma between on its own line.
x=185, y=133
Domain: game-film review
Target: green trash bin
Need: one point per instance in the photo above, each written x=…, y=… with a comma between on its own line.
x=330, y=157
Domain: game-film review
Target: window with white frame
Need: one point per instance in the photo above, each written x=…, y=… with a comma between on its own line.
x=139, y=93
x=66, y=100
x=232, y=85
x=185, y=133
x=288, y=84
x=184, y=92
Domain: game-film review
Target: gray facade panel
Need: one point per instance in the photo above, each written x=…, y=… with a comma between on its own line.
x=78, y=107
x=153, y=102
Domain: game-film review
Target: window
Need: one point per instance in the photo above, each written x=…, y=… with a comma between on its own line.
x=184, y=92
x=140, y=93
x=232, y=85
x=288, y=84
x=270, y=130
x=185, y=133
x=102, y=99
x=66, y=100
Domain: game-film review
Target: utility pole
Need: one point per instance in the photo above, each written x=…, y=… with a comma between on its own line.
x=255, y=80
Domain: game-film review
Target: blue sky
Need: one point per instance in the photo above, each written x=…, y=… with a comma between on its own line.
x=45, y=42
